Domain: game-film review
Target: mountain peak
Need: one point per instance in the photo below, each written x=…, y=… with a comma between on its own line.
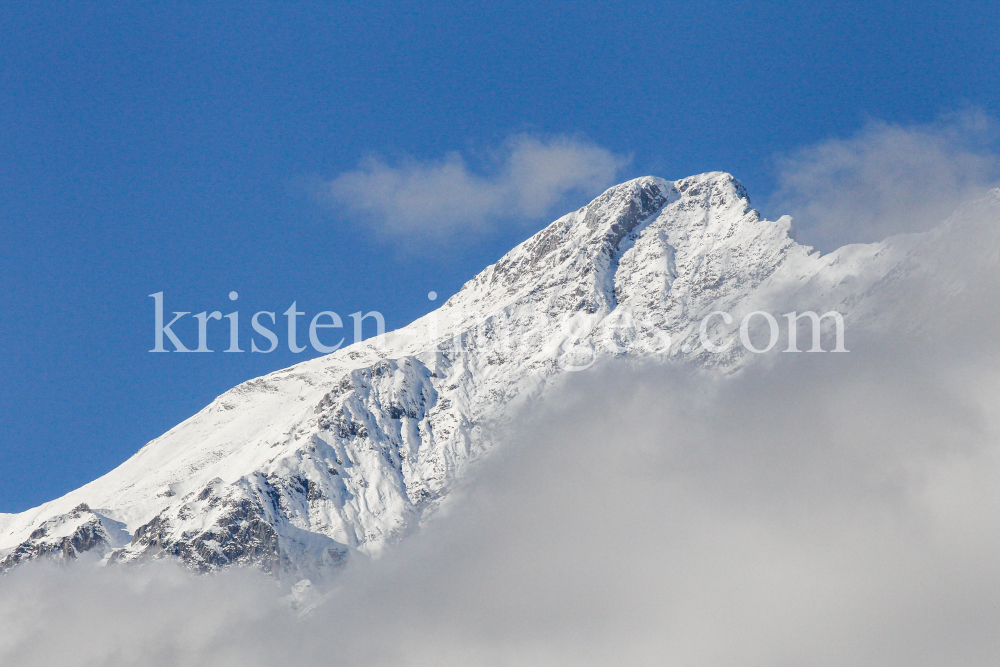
x=712, y=182
x=575, y=259
x=295, y=471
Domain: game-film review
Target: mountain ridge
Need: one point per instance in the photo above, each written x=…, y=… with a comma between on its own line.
x=294, y=471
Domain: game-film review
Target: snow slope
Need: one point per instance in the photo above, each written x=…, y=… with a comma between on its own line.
x=293, y=471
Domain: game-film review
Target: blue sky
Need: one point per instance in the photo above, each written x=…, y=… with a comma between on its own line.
x=195, y=150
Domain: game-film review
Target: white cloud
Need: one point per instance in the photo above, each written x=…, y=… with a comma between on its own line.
x=887, y=179
x=532, y=176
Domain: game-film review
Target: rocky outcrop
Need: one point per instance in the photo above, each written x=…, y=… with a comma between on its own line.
x=66, y=537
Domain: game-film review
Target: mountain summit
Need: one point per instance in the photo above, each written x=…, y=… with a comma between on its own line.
x=295, y=471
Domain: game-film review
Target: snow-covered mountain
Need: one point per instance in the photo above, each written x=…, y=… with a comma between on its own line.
x=294, y=471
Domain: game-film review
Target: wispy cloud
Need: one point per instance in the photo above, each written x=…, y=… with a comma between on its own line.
x=887, y=179
x=530, y=176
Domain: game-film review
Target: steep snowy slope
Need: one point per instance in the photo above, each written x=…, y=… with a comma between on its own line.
x=292, y=471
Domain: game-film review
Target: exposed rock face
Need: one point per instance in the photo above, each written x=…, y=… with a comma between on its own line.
x=67, y=536
x=226, y=525
x=293, y=471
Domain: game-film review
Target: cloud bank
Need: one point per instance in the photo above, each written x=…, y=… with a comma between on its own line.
x=887, y=179
x=531, y=176
x=643, y=519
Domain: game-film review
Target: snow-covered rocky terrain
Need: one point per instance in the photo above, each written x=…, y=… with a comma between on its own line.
x=293, y=472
